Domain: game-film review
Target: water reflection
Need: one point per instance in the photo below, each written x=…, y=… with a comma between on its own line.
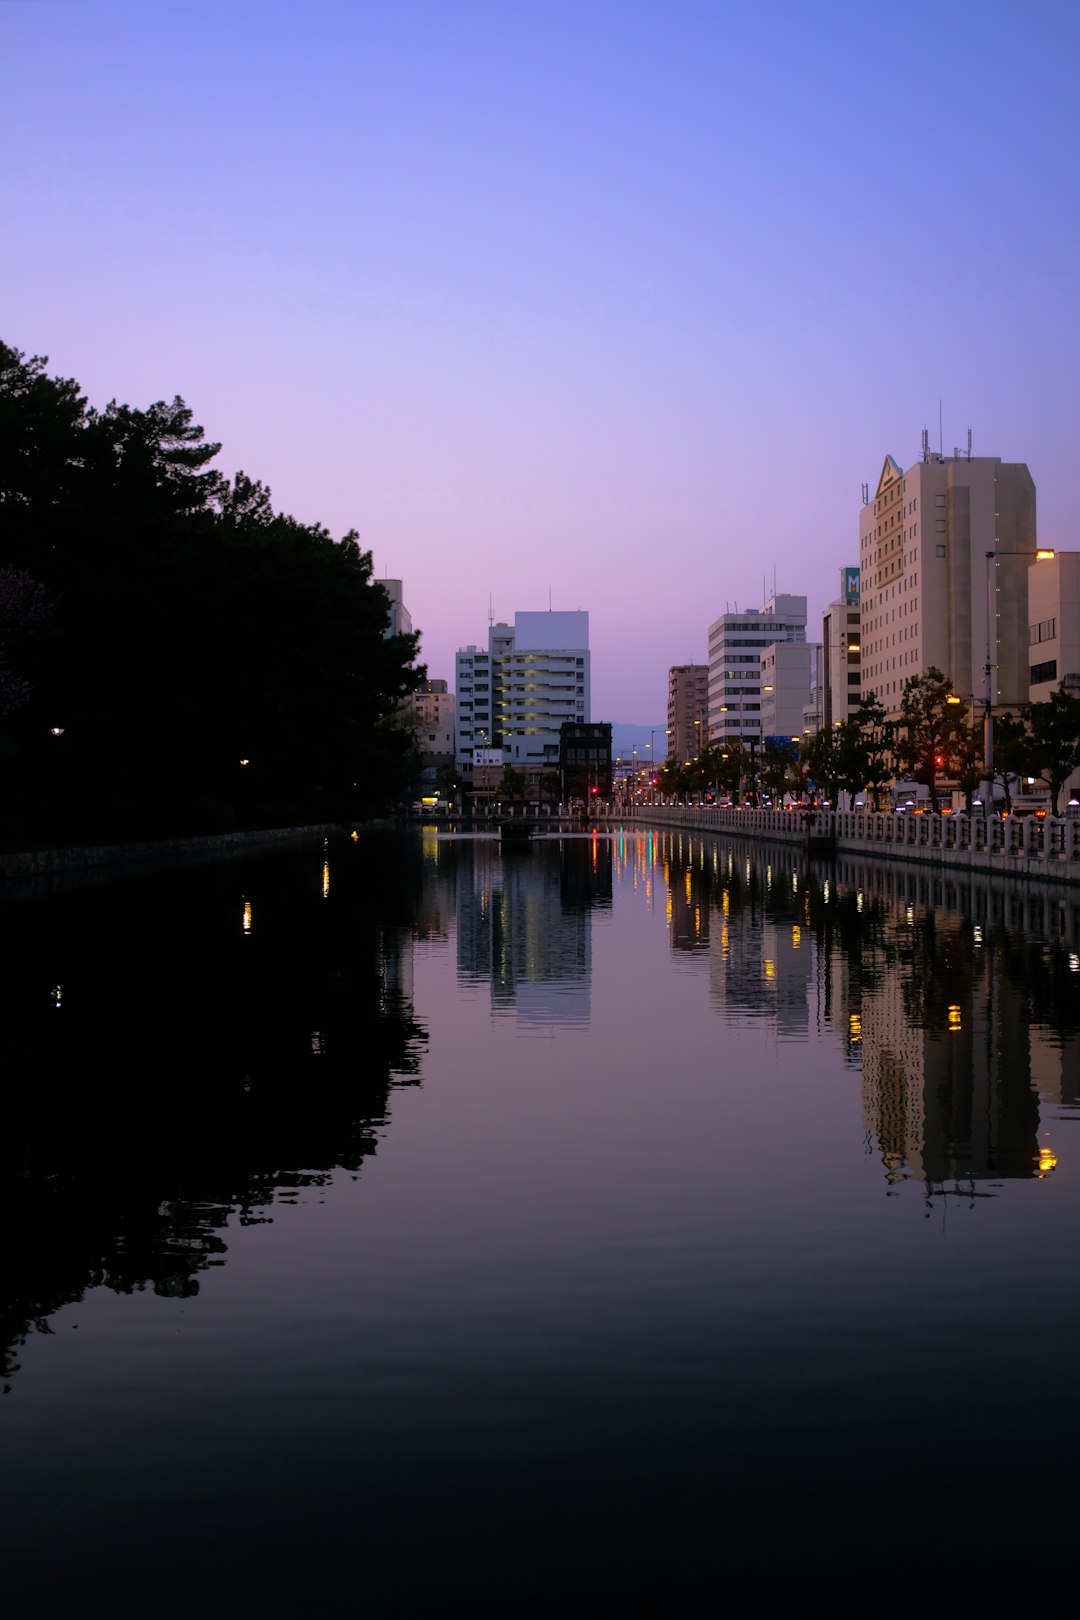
x=957, y=1026
x=524, y=924
x=183, y=1052
x=168, y=1072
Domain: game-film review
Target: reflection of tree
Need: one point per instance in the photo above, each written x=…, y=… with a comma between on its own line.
x=191, y=1073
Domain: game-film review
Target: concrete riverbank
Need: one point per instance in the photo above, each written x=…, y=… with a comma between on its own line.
x=90, y=857
x=1047, y=850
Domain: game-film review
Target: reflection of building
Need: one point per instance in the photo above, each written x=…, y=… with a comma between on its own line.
x=767, y=972
x=523, y=925
x=947, y=1086
x=1055, y=1065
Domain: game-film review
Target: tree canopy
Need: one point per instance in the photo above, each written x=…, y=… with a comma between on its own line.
x=206, y=660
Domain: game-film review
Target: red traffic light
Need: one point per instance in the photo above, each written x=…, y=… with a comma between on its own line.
x=594, y=790
x=939, y=759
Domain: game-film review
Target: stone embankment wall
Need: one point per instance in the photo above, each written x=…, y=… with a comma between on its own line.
x=1019, y=846
x=44, y=862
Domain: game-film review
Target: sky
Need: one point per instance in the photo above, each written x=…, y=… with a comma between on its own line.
x=607, y=306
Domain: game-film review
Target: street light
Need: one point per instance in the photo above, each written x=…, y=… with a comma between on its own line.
x=1038, y=555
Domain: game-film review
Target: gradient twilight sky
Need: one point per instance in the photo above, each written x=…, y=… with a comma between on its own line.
x=620, y=300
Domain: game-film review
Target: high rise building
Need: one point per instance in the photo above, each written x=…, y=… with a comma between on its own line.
x=1054, y=633
x=687, y=711
x=840, y=664
x=400, y=617
x=513, y=697
x=738, y=643
x=944, y=550
x=433, y=705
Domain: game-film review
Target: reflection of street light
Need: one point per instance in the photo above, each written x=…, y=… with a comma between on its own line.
x=991, y=647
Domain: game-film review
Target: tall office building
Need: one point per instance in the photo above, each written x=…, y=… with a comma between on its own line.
x=929, y=594
x=513, y=697
x=840, y=663
x=687, y=711
x=738, y=645
x=400, y=617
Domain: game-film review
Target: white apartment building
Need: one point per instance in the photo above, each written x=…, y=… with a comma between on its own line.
x=687, y=711
x=929, y=594
x=787, y=678
x=1054, y=627
x=738, y=642
x=840, y=665
x=400, y=617
x=515, y=695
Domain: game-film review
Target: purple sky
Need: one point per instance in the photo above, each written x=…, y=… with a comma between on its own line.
x=622, y=300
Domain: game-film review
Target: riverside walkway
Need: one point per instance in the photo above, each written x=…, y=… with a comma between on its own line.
x=1020, y=846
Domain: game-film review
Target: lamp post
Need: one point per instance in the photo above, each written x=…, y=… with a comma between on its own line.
x=1038, y=555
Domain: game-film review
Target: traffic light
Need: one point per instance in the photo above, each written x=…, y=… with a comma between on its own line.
x=939, y=759
x=594, y=790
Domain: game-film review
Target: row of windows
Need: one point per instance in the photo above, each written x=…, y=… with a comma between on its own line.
x=1043, y=672
x=1045, y=631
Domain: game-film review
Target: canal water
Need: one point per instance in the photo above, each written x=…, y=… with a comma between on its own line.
x=623, y=1224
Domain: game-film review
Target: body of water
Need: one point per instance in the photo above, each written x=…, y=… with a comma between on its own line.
x=615, y=1224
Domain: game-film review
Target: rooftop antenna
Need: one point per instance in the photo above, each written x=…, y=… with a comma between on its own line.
x=549, y=598
x=866, y=494
x=926, y=444
x=969, y=444
x=491, y=613
x=940, y=443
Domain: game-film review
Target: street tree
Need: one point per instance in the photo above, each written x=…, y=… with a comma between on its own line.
x=876, y=734
x=967, y=762
x=824, y=763
x=551, y=784
x=1053, y=742
x=926, y=734
x=1010, y=753
x=776, y=763
x=511, y=784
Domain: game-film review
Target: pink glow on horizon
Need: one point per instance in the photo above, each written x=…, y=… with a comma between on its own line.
x=620, y=304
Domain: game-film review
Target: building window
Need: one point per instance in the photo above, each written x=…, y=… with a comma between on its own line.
x=939, y=500
x=1043, y=672
x=939, y=551
x=939, y=525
